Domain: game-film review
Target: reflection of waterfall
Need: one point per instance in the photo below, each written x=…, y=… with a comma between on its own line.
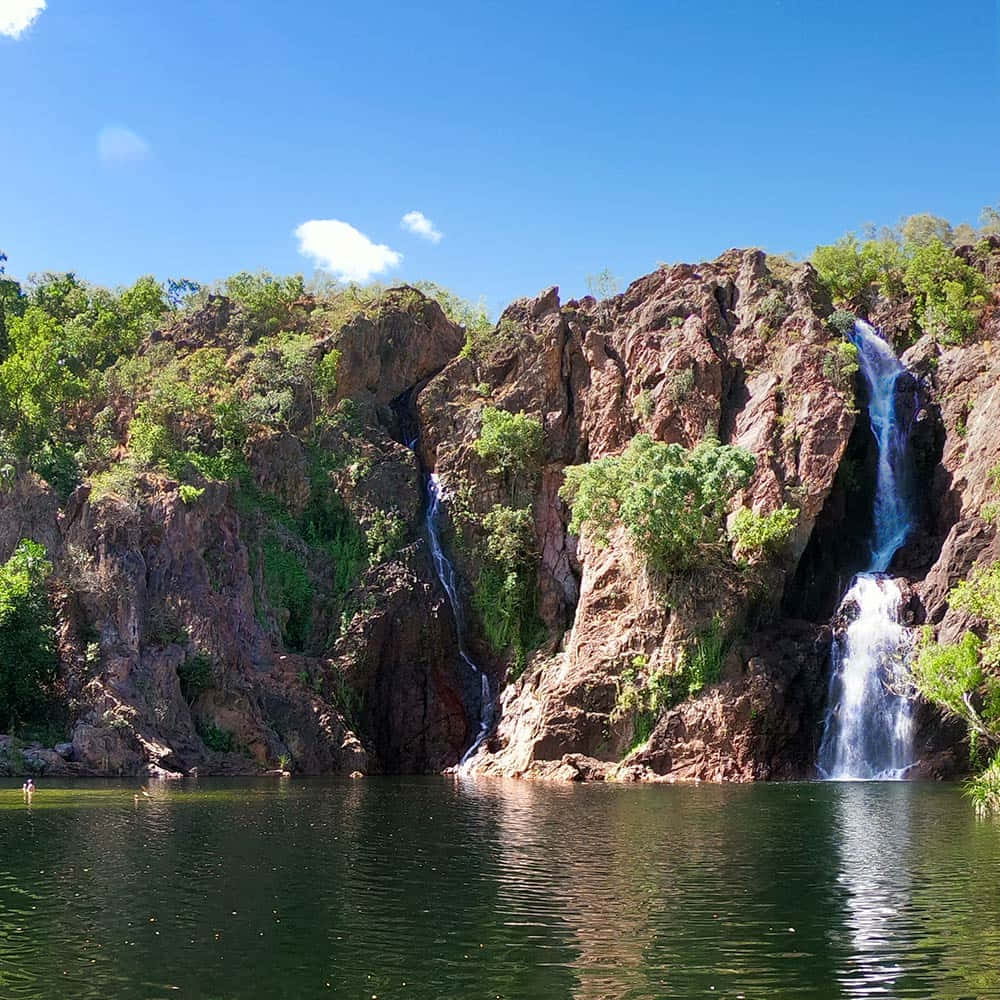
x=873, y=842
x=868, y=729
x=446, y=574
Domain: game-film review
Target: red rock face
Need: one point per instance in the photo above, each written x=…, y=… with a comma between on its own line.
x=737, y=348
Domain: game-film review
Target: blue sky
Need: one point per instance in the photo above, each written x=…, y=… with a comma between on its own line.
x=542, y=141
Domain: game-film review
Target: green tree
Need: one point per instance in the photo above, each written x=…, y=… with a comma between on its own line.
x=28, y=659
x=923, y=228
x=950, y=294
x=669, y=499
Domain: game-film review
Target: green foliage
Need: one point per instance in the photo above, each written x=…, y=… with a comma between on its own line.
x=842, y=322
x=704, y=657
x=327, y=524
x=669, y=499
x=756, y=534
x=948, y=673
x=190, y=494
x=28, y=660
x=680, y=386
x=483, y=340
x=288, y=587
x=983, y=790
x=923, y=229
x=950, y=294
x=196, y=674
x=504, y=596
x=963, y=678
x=644, y=697
x=215, y=739
x=512, y=442
x=57, y=465
x=473, y=316
x=264, y=299
x=854, y=272
x=918, y=259
x=841, y=365
x=644, y=405
x=385, y=536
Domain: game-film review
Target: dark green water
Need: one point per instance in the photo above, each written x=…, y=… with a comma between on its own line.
x=439, y=888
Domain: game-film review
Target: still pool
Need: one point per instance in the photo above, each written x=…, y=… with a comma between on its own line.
x=430, y=888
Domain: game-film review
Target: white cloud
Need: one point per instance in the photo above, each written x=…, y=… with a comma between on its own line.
x=116, y=144
x=417, y=222
x=339, y=248
x=18, y=15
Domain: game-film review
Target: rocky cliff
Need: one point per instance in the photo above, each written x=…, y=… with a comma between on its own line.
x=293, y=614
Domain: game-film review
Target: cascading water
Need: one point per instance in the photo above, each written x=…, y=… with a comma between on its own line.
x=446, y=574
x=868, y=728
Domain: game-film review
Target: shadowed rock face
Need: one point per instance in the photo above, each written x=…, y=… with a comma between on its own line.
x=738, y=348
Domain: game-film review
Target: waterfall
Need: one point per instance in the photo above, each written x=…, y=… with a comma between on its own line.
x=868, y=728
x=446, y=574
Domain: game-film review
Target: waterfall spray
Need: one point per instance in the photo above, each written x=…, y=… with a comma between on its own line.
x=868, y=728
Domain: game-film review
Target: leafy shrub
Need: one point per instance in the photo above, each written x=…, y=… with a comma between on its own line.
x=504, y=596
x=216, y=739
x=841, y=366
x=28, y=660
x=854, y=272
x=513, y=443
x=680, y=386
x=57, y=465
x=983, y=790
x=963, y=678
x=644, y=405
x=602, y=285
x=704, y=657
x=288, y=586
x=196, y=674
x=842, y=322
x=190, y=494
x=755, y=534
x=385, y=536
x=775, y=308
x=669, y=499
x=264, y=299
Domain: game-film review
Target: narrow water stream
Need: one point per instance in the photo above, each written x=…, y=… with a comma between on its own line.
x=446, y=574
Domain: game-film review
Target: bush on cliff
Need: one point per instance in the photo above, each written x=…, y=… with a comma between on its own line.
x=669, y=499
x=28, y=659
x=512, y=442
x=755, y=535
x=963, y=677
x=505, y=591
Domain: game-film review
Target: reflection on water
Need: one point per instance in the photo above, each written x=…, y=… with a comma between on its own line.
x=873, y=838
x=439, y=888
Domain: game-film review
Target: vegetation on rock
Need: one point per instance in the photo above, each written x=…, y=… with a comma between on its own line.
x=963, y=677
x=669, y=499
x=917, y=259
x=28, y=661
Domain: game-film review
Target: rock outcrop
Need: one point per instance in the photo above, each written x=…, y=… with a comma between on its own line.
x=295, y=616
